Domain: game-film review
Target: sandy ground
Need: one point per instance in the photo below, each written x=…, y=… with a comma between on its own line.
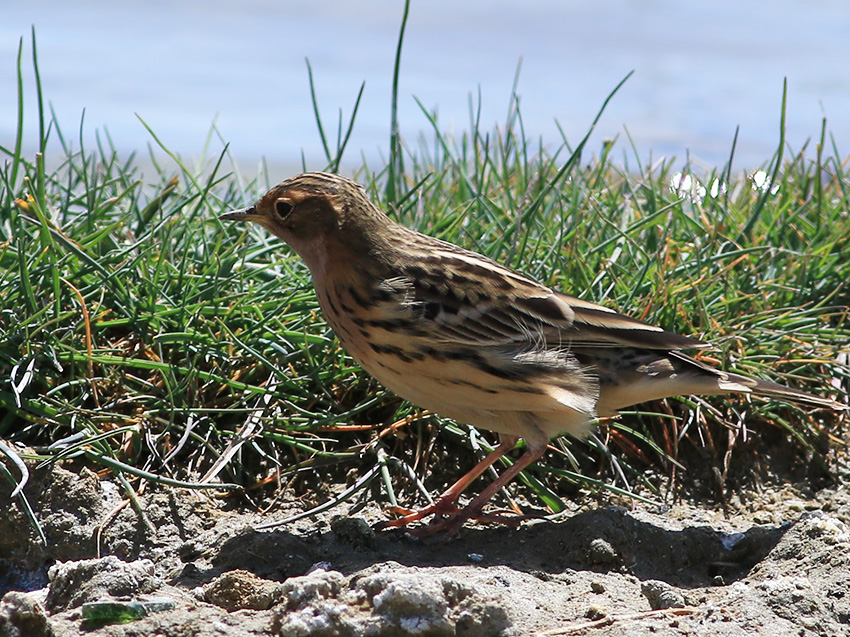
x=777, y=564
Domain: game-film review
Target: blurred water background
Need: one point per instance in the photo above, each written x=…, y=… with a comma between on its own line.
x=701, y=69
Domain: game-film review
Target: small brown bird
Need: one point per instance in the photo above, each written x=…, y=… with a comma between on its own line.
x=455, y=332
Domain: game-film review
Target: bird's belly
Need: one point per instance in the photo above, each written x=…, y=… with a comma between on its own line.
x=451, y=385
x=468, y=384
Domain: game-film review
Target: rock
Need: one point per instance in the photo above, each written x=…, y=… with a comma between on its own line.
x=316, y=586
x=353, y=531
x=601, y=552
x=481, y=617
x=595, y=612
x=313, y=607
x=413, y=604
x=74, y=583
x=390, y=601
x=662, y=595
x=239, y=589
x=22, y=616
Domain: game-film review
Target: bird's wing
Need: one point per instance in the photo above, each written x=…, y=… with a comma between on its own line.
x=600, y=326
x=472, y=301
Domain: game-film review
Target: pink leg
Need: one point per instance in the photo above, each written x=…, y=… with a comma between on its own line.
x=452, y=524
x=445, y=504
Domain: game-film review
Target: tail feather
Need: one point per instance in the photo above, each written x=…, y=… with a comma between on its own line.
x=728, y=382
x=768, y=389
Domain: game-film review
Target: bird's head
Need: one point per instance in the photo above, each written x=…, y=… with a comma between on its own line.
x=316, y=214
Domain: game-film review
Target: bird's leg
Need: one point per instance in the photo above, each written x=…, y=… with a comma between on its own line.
x=452, y=523
x=445, y=504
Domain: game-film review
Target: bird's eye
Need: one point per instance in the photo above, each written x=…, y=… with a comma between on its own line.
x=282, y=208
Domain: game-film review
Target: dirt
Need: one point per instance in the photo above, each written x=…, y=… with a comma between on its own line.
x=777, y=564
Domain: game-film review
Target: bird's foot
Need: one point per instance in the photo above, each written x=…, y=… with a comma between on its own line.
x=448, y=519
x=440, y=508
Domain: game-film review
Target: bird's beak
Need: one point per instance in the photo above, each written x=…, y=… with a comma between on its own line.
x=245, y=214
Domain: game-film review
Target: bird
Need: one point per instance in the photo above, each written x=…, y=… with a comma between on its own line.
x=458, y=334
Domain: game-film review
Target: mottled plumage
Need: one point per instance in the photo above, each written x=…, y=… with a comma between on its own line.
x=457, y=333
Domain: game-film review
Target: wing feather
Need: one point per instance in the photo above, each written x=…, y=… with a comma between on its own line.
x=515, y=312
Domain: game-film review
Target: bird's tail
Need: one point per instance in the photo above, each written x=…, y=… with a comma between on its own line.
x=737, y=383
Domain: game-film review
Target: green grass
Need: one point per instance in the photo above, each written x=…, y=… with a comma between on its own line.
x=139, y=333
